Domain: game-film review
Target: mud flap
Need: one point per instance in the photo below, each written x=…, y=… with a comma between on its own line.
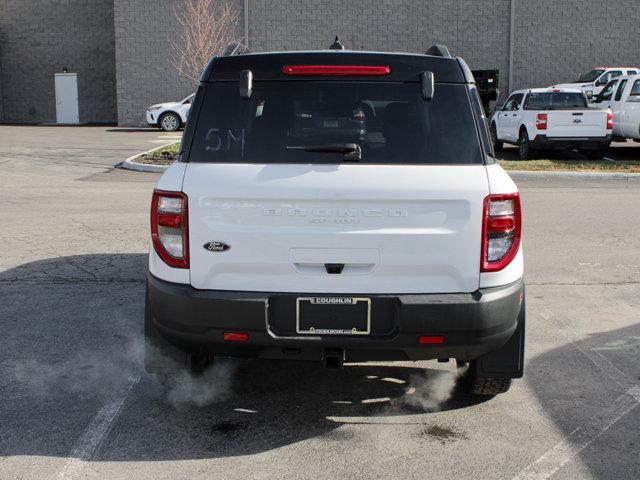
x=159, y=354
x=508, y=361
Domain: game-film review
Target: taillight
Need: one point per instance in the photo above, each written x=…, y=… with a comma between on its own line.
x=541, y=121
x=337, y=70
x=501, y=231
x=610, y=121
x=170, y=227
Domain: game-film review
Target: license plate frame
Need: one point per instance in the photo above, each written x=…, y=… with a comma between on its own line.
x=326, y=303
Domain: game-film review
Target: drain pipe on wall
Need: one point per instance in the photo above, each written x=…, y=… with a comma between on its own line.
x=511, y=39
x=246, y=22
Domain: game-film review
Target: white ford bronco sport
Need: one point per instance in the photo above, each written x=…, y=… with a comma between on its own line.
x=337, y=206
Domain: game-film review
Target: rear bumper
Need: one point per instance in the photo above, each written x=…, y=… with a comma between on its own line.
x=542, y=142
x=473, y=324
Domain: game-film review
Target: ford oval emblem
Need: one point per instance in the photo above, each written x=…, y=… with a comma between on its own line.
x=216, y=246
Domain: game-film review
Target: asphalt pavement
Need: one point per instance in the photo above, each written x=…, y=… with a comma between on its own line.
x=75, y=403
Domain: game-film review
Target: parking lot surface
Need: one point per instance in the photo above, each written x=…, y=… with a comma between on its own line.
x=75, y=403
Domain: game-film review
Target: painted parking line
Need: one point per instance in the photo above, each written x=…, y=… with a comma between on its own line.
x=583, y=436
x=601, y=362
x=95, y=434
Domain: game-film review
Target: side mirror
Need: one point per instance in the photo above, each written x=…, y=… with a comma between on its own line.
x=579, y=76
x=498, y=107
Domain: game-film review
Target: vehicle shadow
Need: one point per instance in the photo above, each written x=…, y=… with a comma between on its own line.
x=510, y=152
x=576, y=393
x=619, y=151
x=73, y=346
x=269, y=405
x=134, y=129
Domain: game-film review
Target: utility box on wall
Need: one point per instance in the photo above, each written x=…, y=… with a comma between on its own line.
x=67, y=98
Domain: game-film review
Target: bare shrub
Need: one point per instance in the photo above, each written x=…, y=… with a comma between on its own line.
x=206, y=28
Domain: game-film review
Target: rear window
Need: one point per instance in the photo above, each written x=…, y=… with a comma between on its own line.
x=555, y=101
x=607, y=91
x=389, y=121
x=623, y=83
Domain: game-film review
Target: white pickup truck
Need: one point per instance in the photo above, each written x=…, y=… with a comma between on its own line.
x=594, y=81
x=551, y=119
x=625, y=105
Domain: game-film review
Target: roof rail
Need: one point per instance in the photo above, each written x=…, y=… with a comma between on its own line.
x=235, y=49
x=438, y=51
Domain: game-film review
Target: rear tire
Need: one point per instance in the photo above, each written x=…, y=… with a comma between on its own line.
x=494, y=372
x=486, y=386
x=525, y=152
x=497, y=144
x=596, y=154
x=195, y=366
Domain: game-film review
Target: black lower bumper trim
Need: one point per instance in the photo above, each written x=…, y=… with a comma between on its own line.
x=542, y=142
x=472, y=323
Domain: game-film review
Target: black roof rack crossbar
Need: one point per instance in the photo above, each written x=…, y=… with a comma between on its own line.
x=235, y=49
x=438, y=51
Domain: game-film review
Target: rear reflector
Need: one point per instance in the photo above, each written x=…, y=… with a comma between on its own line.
x=337, y=70
x=431, y=339
x=235, y=337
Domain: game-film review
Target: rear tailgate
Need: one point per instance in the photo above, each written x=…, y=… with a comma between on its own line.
x=392, y=228
x=577, y=123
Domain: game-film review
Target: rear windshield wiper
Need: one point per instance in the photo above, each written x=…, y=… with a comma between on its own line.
x=352, y=151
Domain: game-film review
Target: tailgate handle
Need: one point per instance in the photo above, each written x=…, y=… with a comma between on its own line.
x=577, y=114
x=334, y=268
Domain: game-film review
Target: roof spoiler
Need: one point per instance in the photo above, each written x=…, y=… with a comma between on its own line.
x=235, y=49
x=438, y=51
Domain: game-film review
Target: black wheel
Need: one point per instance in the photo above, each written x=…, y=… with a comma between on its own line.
x=170, y=378
x=596, y=154
x=497, y=144
x=525, y=152
x=169, y=122
x=474, y=384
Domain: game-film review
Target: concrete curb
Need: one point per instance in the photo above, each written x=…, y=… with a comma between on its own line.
x=523, y=174
x=130, y=164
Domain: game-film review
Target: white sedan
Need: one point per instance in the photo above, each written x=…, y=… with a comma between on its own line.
x=169, y=116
